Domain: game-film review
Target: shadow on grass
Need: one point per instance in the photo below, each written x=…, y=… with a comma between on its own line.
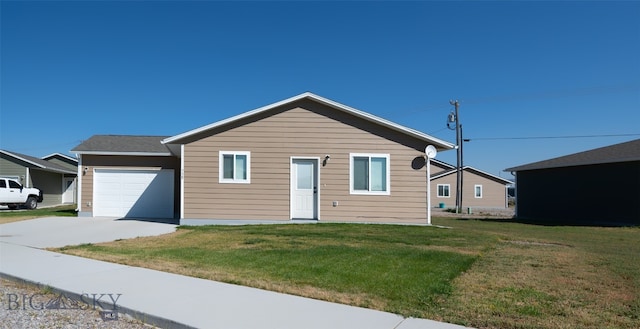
x=65, y=212
x=556, y=222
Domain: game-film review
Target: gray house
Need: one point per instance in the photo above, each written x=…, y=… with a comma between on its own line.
x=55, y=175
x=599, y=186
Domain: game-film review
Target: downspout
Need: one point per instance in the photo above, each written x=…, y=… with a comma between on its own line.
x=515, y=192
x=181, y=181
x=79, y=184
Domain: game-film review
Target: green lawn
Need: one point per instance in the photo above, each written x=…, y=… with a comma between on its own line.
x=7, y=216
x=485, y=274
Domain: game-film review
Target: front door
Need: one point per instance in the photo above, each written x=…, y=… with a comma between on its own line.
x=304, y=188
x=69, y=190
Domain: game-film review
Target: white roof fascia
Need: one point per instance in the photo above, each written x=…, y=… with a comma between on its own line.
x=506, y=181
x=356, y=112
x=443, y=163
x=452, y=171
x=60, y=154
x=22, y=159
x=122, y=153
x=37, y=164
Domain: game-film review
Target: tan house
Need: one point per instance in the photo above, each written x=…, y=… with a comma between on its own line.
x=306, y=157
x=480, y=189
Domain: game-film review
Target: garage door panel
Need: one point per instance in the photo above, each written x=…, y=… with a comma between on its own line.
x=134, y=193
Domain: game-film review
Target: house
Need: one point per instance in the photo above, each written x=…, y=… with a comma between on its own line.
x=306, y=157
x=55, y=175
x=480, y=189
x=600, y=186
x=127, y=176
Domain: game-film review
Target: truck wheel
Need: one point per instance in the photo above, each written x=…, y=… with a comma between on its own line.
x=31, y=203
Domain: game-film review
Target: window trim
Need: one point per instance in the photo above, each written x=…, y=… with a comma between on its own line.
x=448, y=190
x=475, y=191
x=387, y=158
x=234, y=180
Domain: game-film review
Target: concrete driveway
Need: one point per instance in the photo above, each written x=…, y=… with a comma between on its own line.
x=55, y=232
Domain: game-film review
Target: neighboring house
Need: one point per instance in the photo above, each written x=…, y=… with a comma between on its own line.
x=306, y=157
x=55, y=175
x=480, y=189
x=600, y=186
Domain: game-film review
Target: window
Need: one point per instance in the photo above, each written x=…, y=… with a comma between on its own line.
x=478, y=191
x=234, y=167
x=369, y=174
x=443, y=190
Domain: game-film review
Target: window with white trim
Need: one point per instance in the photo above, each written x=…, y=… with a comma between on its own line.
x=235, y=167
x=369, y=173
x=443, y=190
x=477, y=191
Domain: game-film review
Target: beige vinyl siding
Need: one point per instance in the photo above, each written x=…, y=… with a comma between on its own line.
x=493, y=193
x=313, y=131
x=92, y=162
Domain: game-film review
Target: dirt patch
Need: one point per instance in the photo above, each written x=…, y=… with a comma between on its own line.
x=533, y=243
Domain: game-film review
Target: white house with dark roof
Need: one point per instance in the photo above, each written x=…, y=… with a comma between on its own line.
x=599, y=186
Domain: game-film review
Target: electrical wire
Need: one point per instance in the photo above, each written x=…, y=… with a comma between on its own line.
x=549, y=137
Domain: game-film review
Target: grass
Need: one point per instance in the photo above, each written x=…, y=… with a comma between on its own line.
x=8, y=216
x=484, y=274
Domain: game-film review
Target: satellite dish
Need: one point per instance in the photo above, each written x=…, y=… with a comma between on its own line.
x=430, y=151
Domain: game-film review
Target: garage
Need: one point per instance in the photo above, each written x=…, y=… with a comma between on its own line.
x=133, y=193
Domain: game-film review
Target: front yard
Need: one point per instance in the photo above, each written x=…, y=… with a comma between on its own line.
x=8, y=216
x=485, y=274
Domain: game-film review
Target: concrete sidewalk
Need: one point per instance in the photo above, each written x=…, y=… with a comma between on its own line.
x=176, y=301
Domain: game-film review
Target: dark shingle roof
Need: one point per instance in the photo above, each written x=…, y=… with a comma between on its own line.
x=122, y=144
x=34, y=162
x=623, y=152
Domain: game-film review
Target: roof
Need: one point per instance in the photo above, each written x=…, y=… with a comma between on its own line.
x=474, y=170
x=623, y=152
x=34, y=162
x=123, y=145
x=59, y=155
x=438, y=143
x=442, y=164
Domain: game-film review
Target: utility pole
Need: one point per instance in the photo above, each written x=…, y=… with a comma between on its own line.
x=455, y=117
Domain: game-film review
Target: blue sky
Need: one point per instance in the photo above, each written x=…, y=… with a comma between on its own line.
x=70, y=70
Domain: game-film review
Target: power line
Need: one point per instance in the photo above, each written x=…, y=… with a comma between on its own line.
x=549, y=137
x=551, y=94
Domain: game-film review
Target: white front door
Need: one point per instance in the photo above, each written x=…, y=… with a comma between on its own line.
x=304, y=188
x=69, y=190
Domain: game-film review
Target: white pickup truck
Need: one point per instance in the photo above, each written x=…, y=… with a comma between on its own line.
x=13, y=194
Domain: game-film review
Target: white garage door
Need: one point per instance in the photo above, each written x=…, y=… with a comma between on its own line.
x=133, y=193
